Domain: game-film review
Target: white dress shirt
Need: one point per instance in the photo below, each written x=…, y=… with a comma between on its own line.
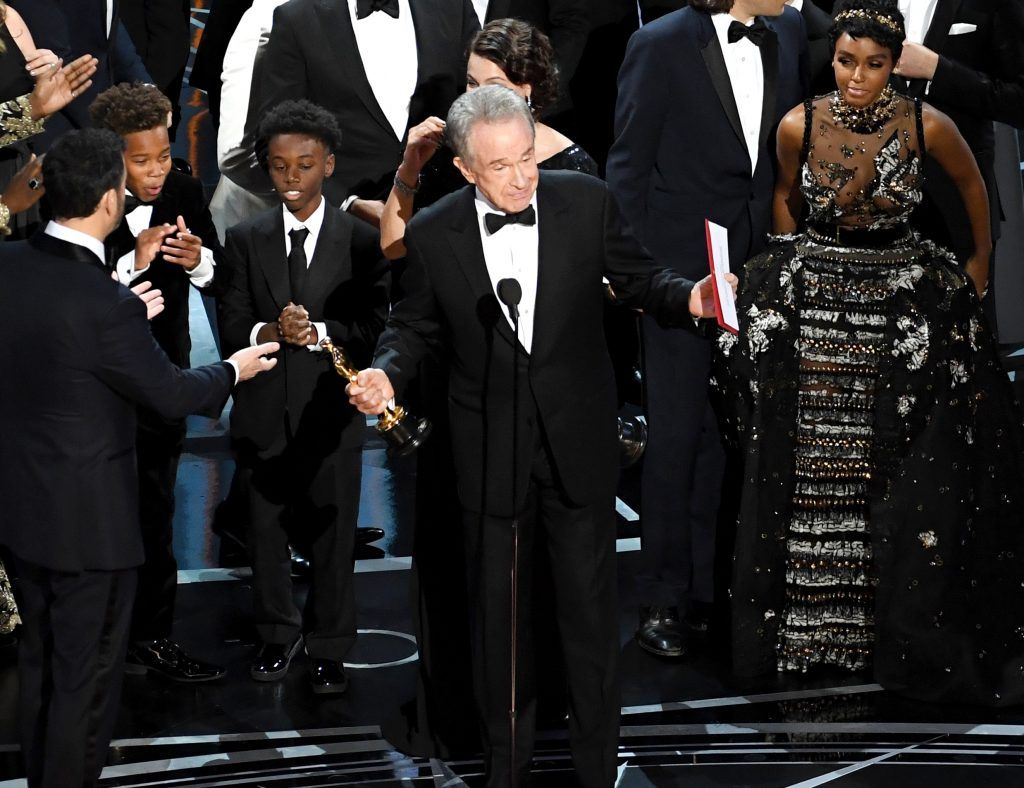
x=94, y=245
x=512, y=252
x=746, y=74
x=917, y=18
x=109, y=16
x=313, y=224
x=480, y=6
x=387, y=48
x=138, y=220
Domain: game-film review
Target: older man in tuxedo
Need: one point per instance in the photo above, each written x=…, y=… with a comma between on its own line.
x=532, y=407
x=965, y=58
x=67, y=469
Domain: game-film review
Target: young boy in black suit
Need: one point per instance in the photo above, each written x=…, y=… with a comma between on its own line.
x=167, y=238
x=300, y=273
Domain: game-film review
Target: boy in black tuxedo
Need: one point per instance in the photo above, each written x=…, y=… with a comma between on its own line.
x=302, y=272
x=167, y=238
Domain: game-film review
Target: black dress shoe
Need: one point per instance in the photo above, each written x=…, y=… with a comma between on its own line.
x=365, y=536
x=328, y=677
x=272, y=660
x=300, y=564
x=166, y=659
x=661, y=632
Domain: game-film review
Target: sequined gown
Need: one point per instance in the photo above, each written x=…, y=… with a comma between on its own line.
x=880, y=524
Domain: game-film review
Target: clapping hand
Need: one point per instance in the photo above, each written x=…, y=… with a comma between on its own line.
x=181, y=247
x=149, y=243
x=295, y=327
x=57, y=85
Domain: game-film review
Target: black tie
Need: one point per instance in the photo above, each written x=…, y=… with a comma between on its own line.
x=131, y=202
x=495, y=221
x=756, y=32
x=297, y=263
x=366, y=7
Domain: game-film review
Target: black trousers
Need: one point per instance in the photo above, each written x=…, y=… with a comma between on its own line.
x=581, y=552
x=320, y=498
x=158, y=446
x=71, y=663
x=682, y=473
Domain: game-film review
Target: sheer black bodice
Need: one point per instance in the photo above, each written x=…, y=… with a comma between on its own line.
x=571, y=158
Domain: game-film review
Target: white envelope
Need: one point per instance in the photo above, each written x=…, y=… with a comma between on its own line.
x=959, y=28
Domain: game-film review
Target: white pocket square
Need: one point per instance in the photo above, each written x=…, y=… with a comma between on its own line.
x=959, y=28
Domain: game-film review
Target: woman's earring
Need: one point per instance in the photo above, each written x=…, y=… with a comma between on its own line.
x=529, y=101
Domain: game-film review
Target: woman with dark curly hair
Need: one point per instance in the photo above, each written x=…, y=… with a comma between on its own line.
x=507, y=52
x=878, y=526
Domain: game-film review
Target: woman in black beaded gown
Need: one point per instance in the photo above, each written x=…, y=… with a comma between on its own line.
x=880, y=526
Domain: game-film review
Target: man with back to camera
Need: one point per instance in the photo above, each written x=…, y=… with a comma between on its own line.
x=73, y=377
x=557, y=235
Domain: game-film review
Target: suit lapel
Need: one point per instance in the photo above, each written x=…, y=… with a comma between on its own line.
x=770, y=68
x=332, y=261
x=935, y=38
x=554, y=251
x=270, y=257
x=55, y=246
x=714, y=60
x=464, y=238
x=333, y=17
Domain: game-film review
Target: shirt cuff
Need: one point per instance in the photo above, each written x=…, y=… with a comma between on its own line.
x=253, y=342
x=125, y=267
x=202, y=274
x=321, y=332
x=347, y=203
x=234, y=366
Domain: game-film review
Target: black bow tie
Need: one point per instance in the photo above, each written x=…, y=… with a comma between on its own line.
x=756, y=32
x=366, y=7
x=131, y=202
x=495, y=221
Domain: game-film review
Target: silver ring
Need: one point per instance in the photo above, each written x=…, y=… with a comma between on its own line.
x=34, y=183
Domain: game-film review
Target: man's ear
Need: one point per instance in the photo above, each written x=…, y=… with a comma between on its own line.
x=329, y=166
x=109, y=202
x=466, y=172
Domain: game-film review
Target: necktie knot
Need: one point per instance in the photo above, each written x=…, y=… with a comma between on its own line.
x=366, y=7
x=755, y=32
x=495, y=221
x=298, y=236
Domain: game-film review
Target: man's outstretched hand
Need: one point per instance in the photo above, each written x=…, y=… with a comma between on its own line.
x=253, y=360
x=702, y=297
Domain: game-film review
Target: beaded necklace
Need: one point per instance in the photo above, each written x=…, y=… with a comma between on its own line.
x=864, y=120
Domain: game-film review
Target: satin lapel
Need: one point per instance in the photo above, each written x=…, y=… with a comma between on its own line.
x=719, y=74
x=770, y=67
x=935, y=38
x=498, y=9
x=464, y=238
x=335, y=21
x=55, y=246
x=553, y=261
x=332, y=260
x=268, y=241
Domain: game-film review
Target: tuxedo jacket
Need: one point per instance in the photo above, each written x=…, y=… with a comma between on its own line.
x=566, y=383
x=979, y=79
x=182, y=196
x=347, y=287
x=312, y=54
x=72, y=28
x=566, y=23
x=679, y=156
x=161, y=33
x=67, y=406
x=817, y=23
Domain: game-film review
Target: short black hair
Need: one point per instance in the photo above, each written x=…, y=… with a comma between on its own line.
x=297, y=116
x=879, y=20
x=712, y=6
x=130, y=107
x=80, y=168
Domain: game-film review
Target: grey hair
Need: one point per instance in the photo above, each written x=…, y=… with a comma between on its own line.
x=489, y=104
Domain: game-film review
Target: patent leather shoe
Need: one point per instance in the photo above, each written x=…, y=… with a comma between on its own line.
x=661, y=632
x=327, y=676
x=273, y=659
x=365, y=536
x=168, y=660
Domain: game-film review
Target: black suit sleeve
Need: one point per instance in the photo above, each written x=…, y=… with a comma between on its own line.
x=996, y=94
x=367, y=309
x=568, y=27
x=160, y=31
x=636, y=279
x=133, y=364
x=414, y=328
x=125, y=63
x=237, y=314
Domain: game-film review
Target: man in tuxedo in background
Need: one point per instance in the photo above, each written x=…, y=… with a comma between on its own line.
x=817, y=23
x=381, y=67
x=161, y=31
x=72, y=28
x=166, y=238
x=965, y=58
x=208, y=63
x=67, y=469
x=532, y=409
x=701, y=92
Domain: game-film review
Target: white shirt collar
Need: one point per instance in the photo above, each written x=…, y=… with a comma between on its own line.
x=313, y=223
x=484, y=207
x=64, y=233
x=721, y=22
x=798, y=5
